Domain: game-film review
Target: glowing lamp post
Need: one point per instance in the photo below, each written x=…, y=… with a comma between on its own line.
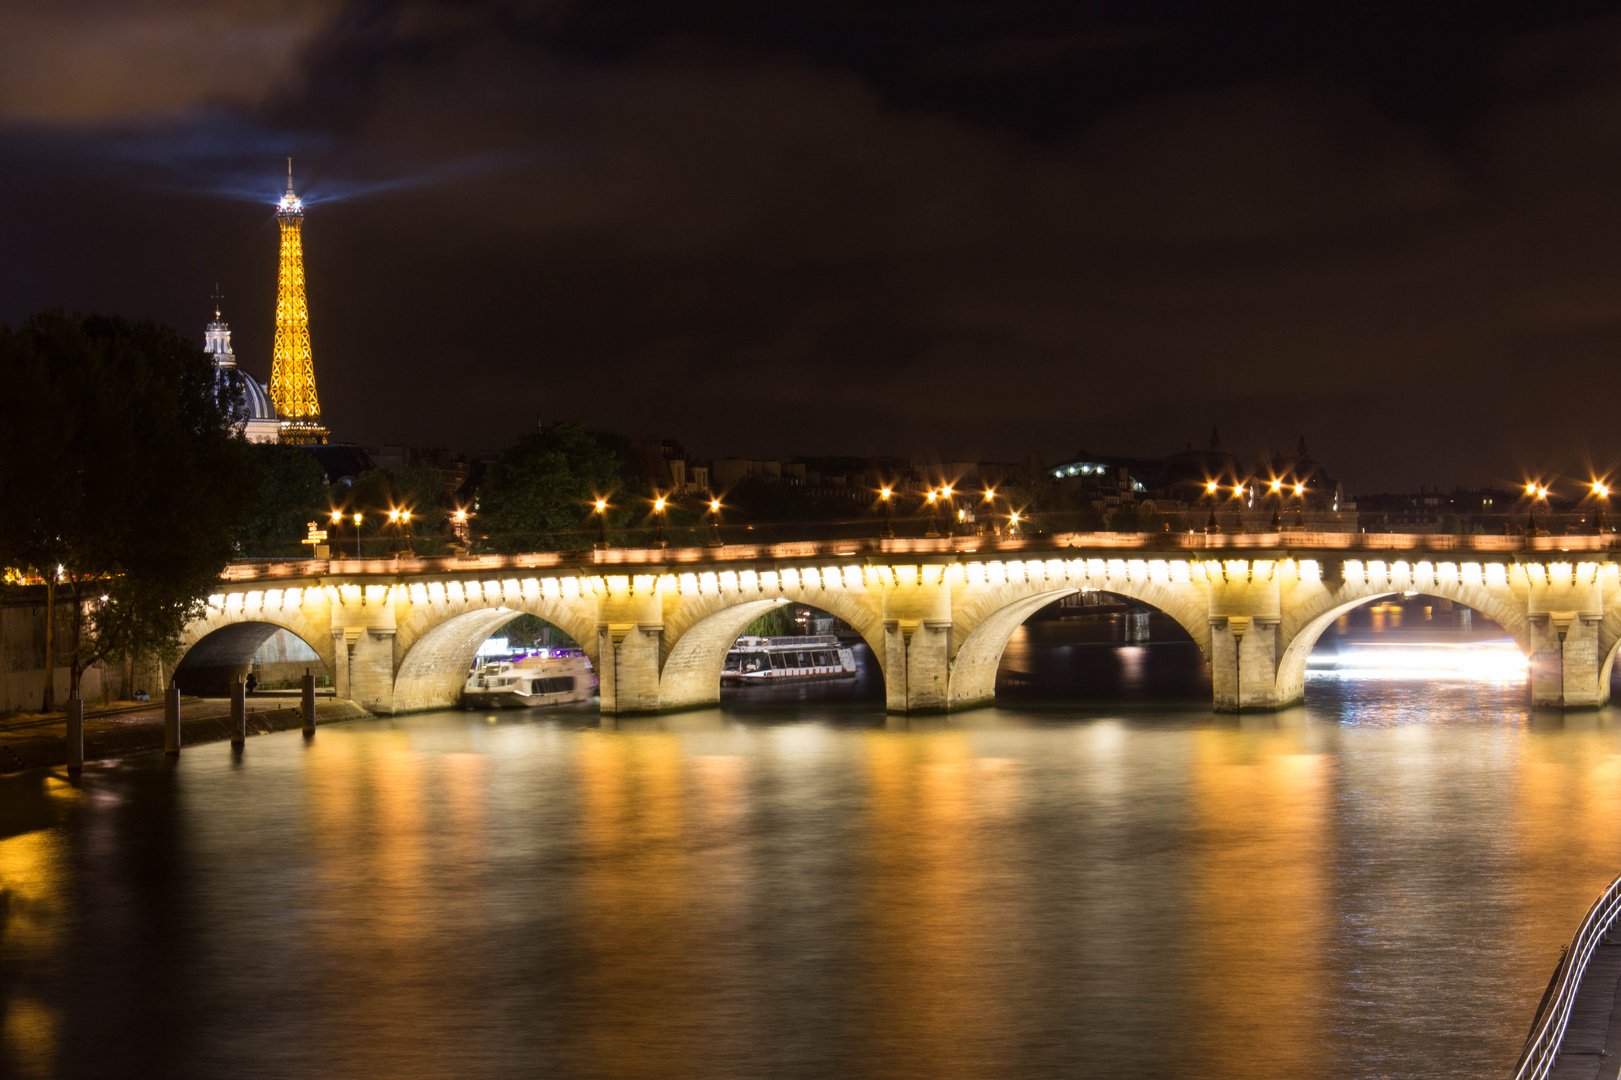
x=602, y=524
x=1013, y=523
x=1536, y=492
x=401, y=520
x=1601, y=492
x=358, y=519
x=884, y=495
x=1276, y=488
x=990, y=510
x=658, y=514
x=934, y=514
x=714, y=523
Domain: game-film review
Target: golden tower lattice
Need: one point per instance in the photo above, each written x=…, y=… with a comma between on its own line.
x=292, y=364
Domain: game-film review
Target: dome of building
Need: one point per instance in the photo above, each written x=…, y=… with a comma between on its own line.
x=257, y=419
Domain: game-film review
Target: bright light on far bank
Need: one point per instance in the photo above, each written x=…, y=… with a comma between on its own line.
x=1470, y=661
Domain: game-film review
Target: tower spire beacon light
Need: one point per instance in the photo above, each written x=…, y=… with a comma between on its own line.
x=292, y=364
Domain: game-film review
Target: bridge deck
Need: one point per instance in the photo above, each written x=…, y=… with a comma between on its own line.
x=1056, y=545
x=1592, y=1044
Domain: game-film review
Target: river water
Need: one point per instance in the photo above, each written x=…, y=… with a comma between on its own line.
x=1374, y=885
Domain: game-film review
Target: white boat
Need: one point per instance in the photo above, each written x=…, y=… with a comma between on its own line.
x=755, y=660
x=532, y=683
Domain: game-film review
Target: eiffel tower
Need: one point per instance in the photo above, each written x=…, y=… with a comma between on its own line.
x=292, y=364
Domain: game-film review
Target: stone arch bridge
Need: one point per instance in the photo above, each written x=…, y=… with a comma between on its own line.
x=400, y=634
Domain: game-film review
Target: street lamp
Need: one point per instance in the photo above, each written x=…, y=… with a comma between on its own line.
x=1013, y=523
x=990, y=512
x=934, y=513
x=658, y=513
x=883, y=497
x=401, y=520
x=1537, y=492
x=1601, y=492
x=714, y=523
x=358, y=518
x=602, y=524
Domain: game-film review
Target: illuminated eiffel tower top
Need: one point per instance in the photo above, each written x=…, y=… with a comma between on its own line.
x=292, y=364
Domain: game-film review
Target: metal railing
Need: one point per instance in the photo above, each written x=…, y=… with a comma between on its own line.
x=1553, y=1015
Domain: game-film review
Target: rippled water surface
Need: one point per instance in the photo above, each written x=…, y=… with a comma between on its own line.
x=1376, y=885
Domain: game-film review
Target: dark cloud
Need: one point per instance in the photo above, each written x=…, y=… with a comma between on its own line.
x=989, y=230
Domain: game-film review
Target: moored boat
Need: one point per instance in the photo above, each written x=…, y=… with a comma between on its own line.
x=532, y=683
x=754, y=660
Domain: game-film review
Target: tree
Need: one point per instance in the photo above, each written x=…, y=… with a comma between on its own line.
x=121, y=480
x=417, y=488
x=291, y=495
x=776, y=622
x=540, y=490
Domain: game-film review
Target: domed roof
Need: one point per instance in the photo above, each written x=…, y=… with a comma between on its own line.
x=252, y=398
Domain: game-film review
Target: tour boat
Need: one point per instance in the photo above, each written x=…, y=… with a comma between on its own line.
x=755, y=660
x=529, y=684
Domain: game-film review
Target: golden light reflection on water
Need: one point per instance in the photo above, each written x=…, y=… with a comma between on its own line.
x=933, y=966
x=31, y=921
x=381, y=815
x=632, y=900
x=1258, y=905
x=1567, y=831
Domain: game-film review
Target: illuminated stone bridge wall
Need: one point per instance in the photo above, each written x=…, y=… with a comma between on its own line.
x=401, y=635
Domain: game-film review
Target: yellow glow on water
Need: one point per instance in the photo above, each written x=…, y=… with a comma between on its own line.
x=1259, y=927
x=30, y=1036
x=31, y=869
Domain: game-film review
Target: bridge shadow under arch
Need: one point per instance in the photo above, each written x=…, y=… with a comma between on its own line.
x=1079, y=656
x=212, y=663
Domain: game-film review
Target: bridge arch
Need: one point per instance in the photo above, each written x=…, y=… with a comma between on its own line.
x=215, y=651
x=981, y=636
x=438, y=654
x=1316, y=617
x=699, y=634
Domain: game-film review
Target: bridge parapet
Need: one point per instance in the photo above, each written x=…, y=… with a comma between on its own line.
x=401, y=633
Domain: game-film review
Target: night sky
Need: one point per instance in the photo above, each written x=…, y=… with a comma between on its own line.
x=971, y=230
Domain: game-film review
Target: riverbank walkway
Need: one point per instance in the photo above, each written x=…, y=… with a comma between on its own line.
x=1592, y=1045
x=31, y=740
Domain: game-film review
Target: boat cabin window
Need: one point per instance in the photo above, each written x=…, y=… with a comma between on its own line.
x=756, y=661
x=560, y=684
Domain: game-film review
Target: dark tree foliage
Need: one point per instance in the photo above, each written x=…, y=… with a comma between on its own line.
x=538, y=494
x=118, y=465
x=291, y=494
x=776, y=622
x=528, y=630
x=419, y=489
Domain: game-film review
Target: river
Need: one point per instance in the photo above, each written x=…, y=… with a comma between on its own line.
x=1374, y=885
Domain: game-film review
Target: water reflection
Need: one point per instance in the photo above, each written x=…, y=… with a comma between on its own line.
x=1259, y=906
x=1376, y=885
